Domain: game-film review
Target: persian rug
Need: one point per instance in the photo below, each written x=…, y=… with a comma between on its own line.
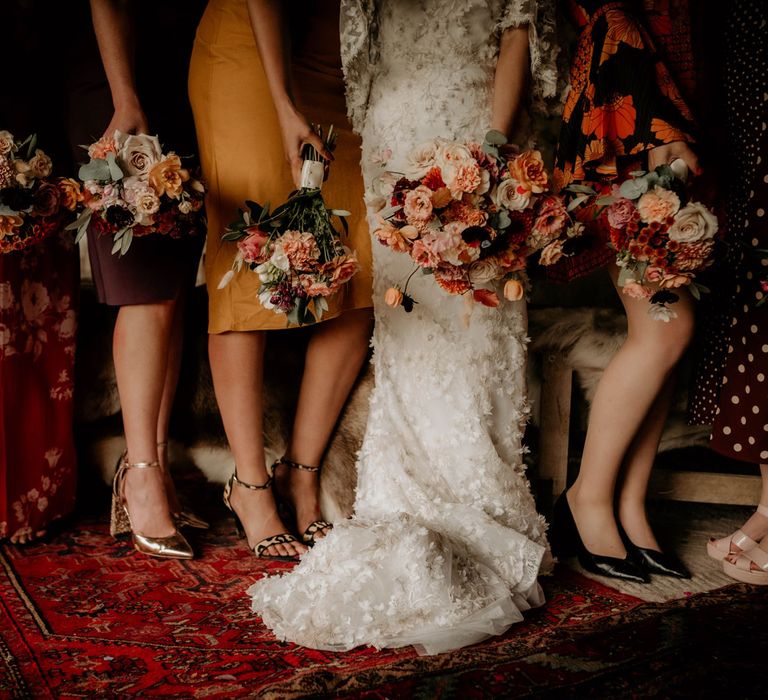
x=83, y=616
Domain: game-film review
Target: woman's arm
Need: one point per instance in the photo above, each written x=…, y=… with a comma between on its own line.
x=269, y=30
x=672, y=151
x=114, y=33
x=511, y=78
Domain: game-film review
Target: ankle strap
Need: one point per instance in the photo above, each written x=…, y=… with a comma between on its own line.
x=141, y=465
x=252, y=487
x=296, y=465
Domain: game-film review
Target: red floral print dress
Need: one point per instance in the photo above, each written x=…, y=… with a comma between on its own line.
x=38, y=295
x=622, y=102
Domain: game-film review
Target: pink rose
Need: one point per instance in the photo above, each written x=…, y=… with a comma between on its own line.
x=466, y=178
x=620, y=212
x=418, y=205
x=252, y=247
x=657, y=205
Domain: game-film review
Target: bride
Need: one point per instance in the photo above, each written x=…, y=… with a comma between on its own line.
x=446, y=546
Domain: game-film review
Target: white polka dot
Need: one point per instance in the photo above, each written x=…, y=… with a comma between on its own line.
x=734, y=399
x=730, y=349
x=749, y=275
x=761, y=212
x=751, y=440
x=765, y=348
x=760, y=377
x=725, y=380
x=755, y=242
x=751, y=357
x=747, y=389
x=755, y=409
x=764, y=454
x=737, y=447
x=743, y=420
x=753, y=328
x=741, y=368
x=726, y=430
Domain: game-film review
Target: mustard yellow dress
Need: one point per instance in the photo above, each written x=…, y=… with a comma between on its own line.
x=242, y=153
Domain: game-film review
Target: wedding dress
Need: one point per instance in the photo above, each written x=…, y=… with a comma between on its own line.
x=446, y=545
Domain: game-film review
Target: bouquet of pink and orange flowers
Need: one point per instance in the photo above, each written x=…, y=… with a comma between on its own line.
x=33, y=205
x=469, y=214
x=662, y=238
x=131, y=189
x=295, y=249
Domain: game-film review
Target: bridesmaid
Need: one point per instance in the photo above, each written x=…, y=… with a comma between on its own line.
x=147, y=285
x=254, y=86
x=623, y=109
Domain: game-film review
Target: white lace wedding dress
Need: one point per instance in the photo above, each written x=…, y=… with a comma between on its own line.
x=446, y=544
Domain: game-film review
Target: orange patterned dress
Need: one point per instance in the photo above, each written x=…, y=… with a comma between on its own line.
x=622, y=102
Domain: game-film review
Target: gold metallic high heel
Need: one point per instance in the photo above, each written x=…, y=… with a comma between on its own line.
x=185, y=518
x=260, y=547
x=317, y=527
x=174, y=546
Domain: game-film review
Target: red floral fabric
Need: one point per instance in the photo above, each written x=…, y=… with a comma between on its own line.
x=38, y=321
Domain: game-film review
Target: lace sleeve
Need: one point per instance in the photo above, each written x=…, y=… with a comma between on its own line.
x=359, y=54
x=539, y=15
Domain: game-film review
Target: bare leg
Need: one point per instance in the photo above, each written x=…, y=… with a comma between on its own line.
x=169, y=393
x=636, y=472
x=334, y=357
x=141, y=341
x=237, y=365
x=629, y=387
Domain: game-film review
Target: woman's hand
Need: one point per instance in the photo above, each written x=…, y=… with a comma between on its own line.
x=296, y=132
x=669, y=152
x=128, y=119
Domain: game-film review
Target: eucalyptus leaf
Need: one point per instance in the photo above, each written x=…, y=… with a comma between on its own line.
x=293, y=316
x=503, y=220
x=115, y=172
x=605, y=201
x=634, y=189
x=116, y=246
x=340, y=212
x=31, y=146
x=576, y=201
x=490, y=150
x=581, y=189
x=5, y=210
x=97, y=169
x=626, y=275
x=495, y=138
x=695, y=292
x=637, y=173
x=232, y=236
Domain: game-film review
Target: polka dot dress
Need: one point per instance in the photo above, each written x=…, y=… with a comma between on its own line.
x=740, y=428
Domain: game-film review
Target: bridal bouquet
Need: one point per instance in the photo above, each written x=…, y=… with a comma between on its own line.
x=295, y=250
x=131, y=189
x=662, y=239
x=468, y=214
x=33, y=205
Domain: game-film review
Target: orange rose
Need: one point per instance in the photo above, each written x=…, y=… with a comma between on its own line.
x=71, y=194
x=393, y=297
x=528, y=170
x=167, y=177
x=513, y=290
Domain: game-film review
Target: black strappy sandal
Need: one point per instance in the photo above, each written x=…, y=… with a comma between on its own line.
x=267, y=542
x=310, y=536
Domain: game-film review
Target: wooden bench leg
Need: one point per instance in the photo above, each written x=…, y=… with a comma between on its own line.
x=555, y=421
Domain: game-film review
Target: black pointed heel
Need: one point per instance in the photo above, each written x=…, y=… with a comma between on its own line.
x=656, y=562
x=566, y=541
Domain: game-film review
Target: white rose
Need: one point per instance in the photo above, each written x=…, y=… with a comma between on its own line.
x=421, y=159
x=6, y=296
x=693, y=223
x=139, y=154
x=185, y=206
x=483, y=271
x=511, y=195
x=450, y=157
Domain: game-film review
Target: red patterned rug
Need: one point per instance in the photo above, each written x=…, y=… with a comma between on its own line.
x=82, y=616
